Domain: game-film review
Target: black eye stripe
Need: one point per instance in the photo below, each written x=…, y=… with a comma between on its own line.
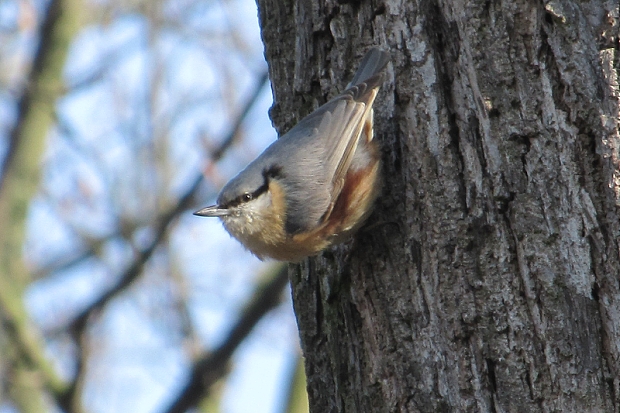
x=275, y=171
x=248, y=196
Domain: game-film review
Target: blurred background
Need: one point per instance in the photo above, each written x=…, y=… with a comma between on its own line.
x=117, y=120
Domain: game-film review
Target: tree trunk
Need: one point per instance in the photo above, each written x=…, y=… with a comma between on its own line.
x=488, y=278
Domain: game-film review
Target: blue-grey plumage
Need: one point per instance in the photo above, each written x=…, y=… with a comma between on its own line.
x=315, y=185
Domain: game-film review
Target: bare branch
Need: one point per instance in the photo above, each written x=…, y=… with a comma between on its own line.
x=79, y=324
x=19, y=180
x=217, y=154
x=212, y=367
x=32, y=92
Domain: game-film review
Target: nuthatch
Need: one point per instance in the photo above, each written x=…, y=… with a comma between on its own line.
x=314, y=186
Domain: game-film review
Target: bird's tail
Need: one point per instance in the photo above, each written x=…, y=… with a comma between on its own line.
x=371, y=65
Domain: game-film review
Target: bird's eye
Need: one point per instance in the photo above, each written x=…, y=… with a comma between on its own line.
x=247, y=197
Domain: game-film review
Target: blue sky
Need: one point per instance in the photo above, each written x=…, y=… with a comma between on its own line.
x=141, y=362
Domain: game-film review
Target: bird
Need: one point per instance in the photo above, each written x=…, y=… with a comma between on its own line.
x=315, y=185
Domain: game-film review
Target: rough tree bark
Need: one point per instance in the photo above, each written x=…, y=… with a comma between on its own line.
x=490, y=282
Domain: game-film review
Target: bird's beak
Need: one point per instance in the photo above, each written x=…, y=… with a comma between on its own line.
x=212, y=211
